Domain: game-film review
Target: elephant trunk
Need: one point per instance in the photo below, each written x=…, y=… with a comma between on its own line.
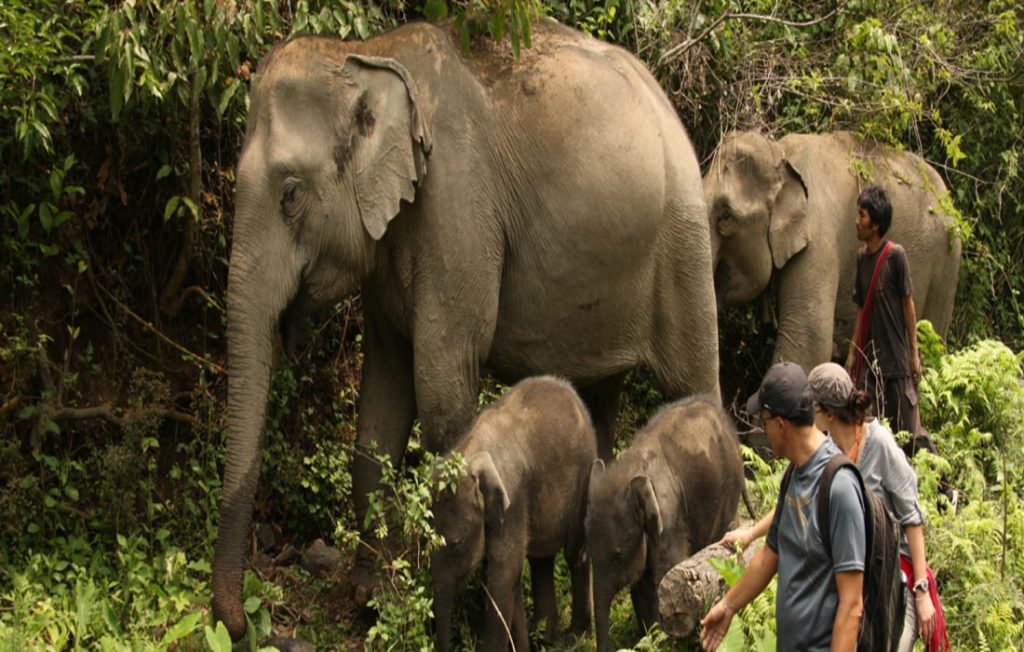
x=444, y=597
x=602, y=608
x=256, y=298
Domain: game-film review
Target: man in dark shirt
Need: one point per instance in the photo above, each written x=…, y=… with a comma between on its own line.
x=884, y=359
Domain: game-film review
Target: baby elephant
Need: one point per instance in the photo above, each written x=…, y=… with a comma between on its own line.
x=673, y=492
x=528, y=459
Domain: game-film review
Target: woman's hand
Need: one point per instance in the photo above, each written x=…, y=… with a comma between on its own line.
x=925, y=615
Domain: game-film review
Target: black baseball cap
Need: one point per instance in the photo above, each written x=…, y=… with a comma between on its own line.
x=784, y=392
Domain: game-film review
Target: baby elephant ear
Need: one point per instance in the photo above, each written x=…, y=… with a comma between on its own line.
x=391, y=142
x=647, y=506
x=496, y=502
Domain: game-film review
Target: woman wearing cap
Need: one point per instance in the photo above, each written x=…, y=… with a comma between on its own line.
x=840, y=410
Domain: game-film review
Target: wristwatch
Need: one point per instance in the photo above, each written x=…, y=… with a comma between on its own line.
x=921, y=586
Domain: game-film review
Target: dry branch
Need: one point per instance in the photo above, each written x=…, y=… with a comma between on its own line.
x=692, y=586
x=153, y=329
x=678, y=49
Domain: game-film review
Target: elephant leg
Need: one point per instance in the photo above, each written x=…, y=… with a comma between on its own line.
x=447, y=386
x=520, y=630
x=645, y=600
x=505, y=557
x=683, y=336
x=501, y=628
x=579, y=576
x=602, y=399
x=545, y=607
x=387, y=408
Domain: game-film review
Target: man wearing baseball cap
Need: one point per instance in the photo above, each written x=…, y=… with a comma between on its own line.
x=819, y=599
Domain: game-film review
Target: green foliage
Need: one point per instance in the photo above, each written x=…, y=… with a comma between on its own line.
x=399, y=514
x=141, y=594
x=972, y=400
x=125, y=123
x=609, y=21
x=754, y=627
x=494, y=18
x=43, y=79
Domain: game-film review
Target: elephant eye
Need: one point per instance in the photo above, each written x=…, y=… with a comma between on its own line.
x=288, y=196
x=726, y=223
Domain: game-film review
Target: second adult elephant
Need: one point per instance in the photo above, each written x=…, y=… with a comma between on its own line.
x=782, y=228
x=534, y=215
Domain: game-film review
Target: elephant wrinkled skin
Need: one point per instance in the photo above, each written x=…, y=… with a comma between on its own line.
x=544, y=215
x=782, y=227
x=673, y=492
x=529, y=458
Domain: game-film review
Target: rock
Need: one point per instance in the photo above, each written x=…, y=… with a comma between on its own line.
x=320, y=558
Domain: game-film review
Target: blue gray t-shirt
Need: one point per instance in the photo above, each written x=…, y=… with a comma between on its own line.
x=885, y=470
x=805, y=607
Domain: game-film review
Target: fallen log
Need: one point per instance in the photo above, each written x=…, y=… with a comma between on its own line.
x=687, y=591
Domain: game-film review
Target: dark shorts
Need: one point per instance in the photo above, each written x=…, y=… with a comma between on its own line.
x=897, y=402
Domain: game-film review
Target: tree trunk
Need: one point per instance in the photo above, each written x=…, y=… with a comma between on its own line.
x=692, y=586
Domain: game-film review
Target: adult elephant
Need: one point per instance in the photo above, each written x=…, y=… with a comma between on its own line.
x=782, y=228
x=539, y=215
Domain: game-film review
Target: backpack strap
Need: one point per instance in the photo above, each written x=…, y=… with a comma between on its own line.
x=787, y=475
x=837, y=462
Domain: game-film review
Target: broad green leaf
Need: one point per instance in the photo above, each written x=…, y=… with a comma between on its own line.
x=181, y=629
x=464, y=33
x=116, y=92
x=172, y=205
x=436, y=10
x=195, y=42
x=525, y=26
x=252, y=604
x=46, y=216
x=225, y=97
x=192, y=208
x=218, y=639
x=62, y=217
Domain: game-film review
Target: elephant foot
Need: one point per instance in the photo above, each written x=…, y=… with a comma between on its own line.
x=365, y=579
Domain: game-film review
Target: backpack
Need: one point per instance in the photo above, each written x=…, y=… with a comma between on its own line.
x=882, y=623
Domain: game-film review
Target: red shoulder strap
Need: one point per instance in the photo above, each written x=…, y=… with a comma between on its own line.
x=865, y=314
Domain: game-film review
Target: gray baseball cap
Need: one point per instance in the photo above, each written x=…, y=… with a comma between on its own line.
x=784, y=392
x=830, y=385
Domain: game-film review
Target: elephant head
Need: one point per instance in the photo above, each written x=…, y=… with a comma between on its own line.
x=332, y=148
x=463, y=517
x=757, y=206
x=623, y=526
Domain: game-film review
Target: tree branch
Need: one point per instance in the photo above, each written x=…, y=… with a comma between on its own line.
x=151, y=328
x=680, y=48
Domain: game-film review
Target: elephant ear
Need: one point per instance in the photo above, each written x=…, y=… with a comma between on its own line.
x=647, y=506
x=596, y=470
x=391, y=142
x=789, y=231
x=496, y=501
